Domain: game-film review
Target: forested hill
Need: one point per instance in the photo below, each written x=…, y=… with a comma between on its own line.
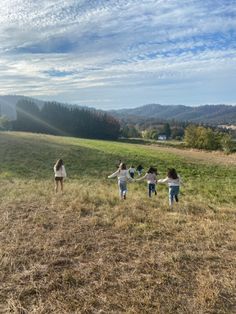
x=8, y=104
x=212, y=114
x=58, y=119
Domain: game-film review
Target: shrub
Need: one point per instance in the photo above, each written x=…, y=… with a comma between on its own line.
x=227, y=143
x=205, y=138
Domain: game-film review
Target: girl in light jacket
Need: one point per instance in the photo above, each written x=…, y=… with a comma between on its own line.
x=174, y=181
x=59, y=174
x=123, y=176
x=151, y=177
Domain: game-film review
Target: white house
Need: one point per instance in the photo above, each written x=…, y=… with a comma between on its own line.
x=162, y=137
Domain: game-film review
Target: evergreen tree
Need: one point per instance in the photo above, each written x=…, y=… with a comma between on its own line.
x=57, y=119
x=167, y=130
x=28, y=117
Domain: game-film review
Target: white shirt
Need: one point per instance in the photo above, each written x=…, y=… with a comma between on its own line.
x=122, y=175
x=132, y=170
x=61, y=172
x=171, y=182
x=150, y=177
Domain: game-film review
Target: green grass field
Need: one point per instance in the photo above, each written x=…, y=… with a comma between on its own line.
x=88, y=252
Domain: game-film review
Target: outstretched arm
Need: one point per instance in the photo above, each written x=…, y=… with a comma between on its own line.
x=163, y=180
x=142, y=178
x=113, y=175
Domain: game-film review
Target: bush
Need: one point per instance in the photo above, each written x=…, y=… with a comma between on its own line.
x=227, y=144
x=205, y=138
x=5, y=123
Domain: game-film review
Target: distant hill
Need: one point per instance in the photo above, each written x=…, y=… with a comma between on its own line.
x=212, y=114
x=8, y=104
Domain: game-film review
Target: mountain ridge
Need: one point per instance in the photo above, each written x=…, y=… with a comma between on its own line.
x=212, y=114
x=208, y=114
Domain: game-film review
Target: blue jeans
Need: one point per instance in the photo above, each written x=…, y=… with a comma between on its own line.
x=122, y=188
x=173, y=193
x=151, y=189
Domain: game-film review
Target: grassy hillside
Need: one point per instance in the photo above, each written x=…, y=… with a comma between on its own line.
x=87, y=252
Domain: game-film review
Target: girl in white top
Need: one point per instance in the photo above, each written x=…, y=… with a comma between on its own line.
x=131, y=171
x=123, y=176
x=151, y=177
x=60, y=174
x=174, y=181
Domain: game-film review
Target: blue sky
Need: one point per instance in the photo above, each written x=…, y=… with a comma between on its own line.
x=113, y=54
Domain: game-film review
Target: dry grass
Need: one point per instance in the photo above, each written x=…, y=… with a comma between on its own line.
x=88, y=252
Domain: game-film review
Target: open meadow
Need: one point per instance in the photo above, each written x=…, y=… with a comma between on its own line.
x=88, y=252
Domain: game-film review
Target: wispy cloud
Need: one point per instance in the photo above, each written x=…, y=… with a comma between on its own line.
x=128, y=52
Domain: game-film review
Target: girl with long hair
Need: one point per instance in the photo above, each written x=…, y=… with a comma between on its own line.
x=123, y=176
x=59, y=174
x=151, y=177
x=174, y=181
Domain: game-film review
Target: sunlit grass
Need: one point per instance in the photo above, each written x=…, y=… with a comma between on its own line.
x=85, y=251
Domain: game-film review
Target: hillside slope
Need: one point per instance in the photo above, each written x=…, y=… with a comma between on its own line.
x=85, y=251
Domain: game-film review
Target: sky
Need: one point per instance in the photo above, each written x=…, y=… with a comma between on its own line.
x=112, y=54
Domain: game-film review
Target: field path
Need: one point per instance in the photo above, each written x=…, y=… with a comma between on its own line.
x=198, y=155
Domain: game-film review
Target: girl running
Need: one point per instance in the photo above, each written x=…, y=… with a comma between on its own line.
x=123, y=176
x=151, y=177
x=174, y=181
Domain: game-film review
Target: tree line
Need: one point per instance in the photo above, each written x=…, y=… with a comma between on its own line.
x=152, y=130
x=57, y=119
x=193, y=135
x=206, y=138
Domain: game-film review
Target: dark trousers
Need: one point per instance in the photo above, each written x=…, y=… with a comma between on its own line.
x=173, y=193
x=151, y=189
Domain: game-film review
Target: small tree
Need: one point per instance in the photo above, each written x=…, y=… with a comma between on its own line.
x=177, y=133
x=153, y=134
x=190, y=136
x=5, y=123
x=167, y=130
x=227, y=143
x=130, y=131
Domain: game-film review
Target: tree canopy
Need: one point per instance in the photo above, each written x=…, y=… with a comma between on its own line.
x=54, y=118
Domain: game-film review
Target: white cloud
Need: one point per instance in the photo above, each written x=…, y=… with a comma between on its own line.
x=114, y=44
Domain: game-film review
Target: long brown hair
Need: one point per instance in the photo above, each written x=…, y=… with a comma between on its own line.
x=172, y=174
x=59, y=164
x=122, y=166
x=152, y=170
